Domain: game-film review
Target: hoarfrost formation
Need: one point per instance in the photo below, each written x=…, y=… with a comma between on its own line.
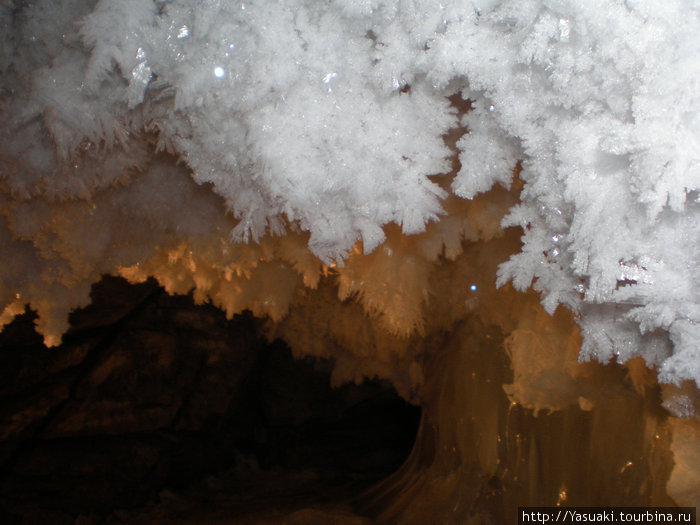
x=312, y=145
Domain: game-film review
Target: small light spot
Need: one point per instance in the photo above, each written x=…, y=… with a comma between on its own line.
x=562, y=495
x=219, y=72
x=473, y=288
x=564, y=30
x=492, y=108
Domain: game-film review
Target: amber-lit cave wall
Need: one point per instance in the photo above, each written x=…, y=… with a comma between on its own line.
x=145, y=411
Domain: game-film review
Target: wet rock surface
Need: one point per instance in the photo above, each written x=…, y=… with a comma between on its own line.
x=153, y=406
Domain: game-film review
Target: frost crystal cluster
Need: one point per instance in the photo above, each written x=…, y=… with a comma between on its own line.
x=310, y=140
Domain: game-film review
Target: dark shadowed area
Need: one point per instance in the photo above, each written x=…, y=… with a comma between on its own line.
x=154, y=409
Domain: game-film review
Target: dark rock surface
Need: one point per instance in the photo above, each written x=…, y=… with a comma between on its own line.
x=150, y=393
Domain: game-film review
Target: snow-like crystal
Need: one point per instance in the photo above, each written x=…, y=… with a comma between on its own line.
x=599, y=102
x=317, y=133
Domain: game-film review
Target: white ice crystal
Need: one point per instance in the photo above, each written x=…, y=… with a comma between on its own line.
x=324, y=121
x=314, y=162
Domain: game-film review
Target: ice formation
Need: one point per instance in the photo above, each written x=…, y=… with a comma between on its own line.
x=316, y=180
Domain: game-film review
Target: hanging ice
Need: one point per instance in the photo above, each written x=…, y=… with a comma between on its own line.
x=317, y=137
